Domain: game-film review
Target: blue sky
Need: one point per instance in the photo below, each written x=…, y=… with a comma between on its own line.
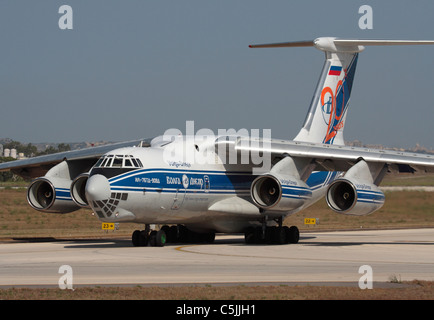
x=132, y=69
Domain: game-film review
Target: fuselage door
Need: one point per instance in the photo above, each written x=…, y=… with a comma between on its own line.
x=179, y=197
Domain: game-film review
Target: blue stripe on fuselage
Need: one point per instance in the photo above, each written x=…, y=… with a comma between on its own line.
x=221, y=182
x=175, y=179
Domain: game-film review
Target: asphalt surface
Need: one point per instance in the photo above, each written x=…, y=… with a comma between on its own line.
x=319, y=258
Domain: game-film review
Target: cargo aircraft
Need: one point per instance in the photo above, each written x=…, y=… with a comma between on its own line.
x=162, y=182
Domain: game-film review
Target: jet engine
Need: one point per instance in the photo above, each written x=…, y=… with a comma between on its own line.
x=279, y=192
x=351, y=197
x=49, y=194
x=78, y=190
x=356, y=193
x=56, y=192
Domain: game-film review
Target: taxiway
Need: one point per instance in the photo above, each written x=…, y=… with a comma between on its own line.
x=318, y=257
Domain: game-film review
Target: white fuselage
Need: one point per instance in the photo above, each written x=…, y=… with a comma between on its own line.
x=181, y=183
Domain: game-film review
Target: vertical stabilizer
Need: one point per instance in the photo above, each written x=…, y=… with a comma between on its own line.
x=325, y=120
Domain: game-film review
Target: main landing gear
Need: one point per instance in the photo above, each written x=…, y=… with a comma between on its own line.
x=180, y=234
x=172, y=234
x=272, y=235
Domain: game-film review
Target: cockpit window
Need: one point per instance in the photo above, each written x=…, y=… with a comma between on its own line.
x=107, y=162
x=128, y=163
x=98, y=163
x=139, y=163
x=135, y=164
x=118, y=161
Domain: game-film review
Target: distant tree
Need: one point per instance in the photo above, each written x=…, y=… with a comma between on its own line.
x=48, y=150
x=63, y=147
x=7, y=175
x=13, y=145
x=30, y=150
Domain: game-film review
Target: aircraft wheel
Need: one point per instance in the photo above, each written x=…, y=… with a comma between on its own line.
x=279, y=236
x=160, y=238
x=135, y=238
x=152, y=238
x=144, y=237
x=270, y=235
x=292, y=234
x=208, y=237
x=139, y=238
x=172, y=234
x=157, y=238
x=249, y=235
x=166, y=230
x=183, y=233
x=258, y=235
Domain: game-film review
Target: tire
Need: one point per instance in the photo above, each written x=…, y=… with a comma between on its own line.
x=280, y=236
x=160, y=238
x=293, y=235
x=249, y=235
x=172, y=235
x=209, y=237
x=166, y=229
x=143, y=240
x=152, y=238
x=139, y=238
x=135, y=238
x=258, y=236
x=183, y=234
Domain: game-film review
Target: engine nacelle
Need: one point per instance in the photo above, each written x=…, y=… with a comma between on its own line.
x=279, y=193
x=50, y=194
x=78, y=187
x=349, y=196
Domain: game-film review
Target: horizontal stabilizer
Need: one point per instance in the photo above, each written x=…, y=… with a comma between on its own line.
x=332, y=44
x=309, y=43
x=347, y=42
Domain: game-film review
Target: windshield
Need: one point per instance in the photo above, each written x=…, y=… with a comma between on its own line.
x=118, y=161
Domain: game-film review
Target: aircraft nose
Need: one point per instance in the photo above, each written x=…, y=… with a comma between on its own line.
x=97, y=188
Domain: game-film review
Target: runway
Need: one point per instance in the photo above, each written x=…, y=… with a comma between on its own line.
x=319, y=257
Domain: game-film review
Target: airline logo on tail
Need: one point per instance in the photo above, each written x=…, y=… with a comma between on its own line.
x=334, y=103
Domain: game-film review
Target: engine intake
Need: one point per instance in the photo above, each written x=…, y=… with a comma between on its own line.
x=78, y=187
x=51, y=195
x=351, y=197
x=279, y=193
x=266, y=191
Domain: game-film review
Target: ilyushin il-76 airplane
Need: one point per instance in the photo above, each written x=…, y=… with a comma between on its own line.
x=195, y=186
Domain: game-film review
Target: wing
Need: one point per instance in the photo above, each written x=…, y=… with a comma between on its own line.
x=336, y=158
x=38, y=166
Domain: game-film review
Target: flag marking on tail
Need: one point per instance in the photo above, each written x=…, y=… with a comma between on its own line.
x=335, y=71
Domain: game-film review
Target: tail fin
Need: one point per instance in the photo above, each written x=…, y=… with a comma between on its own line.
x=325, y=119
